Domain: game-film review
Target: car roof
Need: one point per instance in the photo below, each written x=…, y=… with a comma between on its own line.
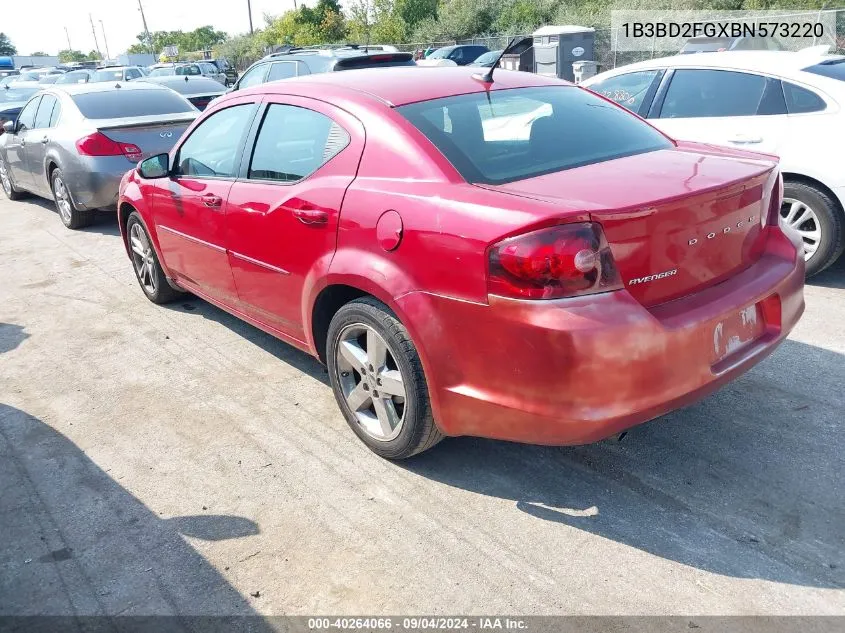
x=781, y=63
x=400, y=85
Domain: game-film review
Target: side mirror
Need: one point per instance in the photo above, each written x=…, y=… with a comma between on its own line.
x=157, y=166
x=9, y=127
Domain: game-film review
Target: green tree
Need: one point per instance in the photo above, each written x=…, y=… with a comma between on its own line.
x=202, y=38
x=93, y=56
x=6, y=46
x=68, y=55
x=39, y=54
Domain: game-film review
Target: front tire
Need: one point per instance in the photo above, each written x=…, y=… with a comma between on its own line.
x=818, y=220
x=70, y=216
x=148, y=271
x=378, y=380
x=12, y=193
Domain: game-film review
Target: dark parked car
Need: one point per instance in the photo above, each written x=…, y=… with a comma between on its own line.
x=462, y=55
x=308, y=61
x=487, y=59
x=73, y=143
x=200, y=91
x=719, y=44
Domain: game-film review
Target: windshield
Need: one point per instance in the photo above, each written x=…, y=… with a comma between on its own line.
x=162, y=72
x=107, y=75
x=440, y=53
x=12, y=94
x=505, y=135
x=486, y=58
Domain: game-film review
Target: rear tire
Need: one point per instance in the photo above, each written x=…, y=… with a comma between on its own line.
x=368, y=349
x=824, y=227
x=70, y=216
x=148, y=271
x=8, y=185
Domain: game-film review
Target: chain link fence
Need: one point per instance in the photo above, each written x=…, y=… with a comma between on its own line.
x=607, y=57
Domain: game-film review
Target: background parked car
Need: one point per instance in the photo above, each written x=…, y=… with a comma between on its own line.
x=49, y=79
x=308, y=61
x=116, y=73
x=73, y=143
x=75, y=77
x=487, y=59
x=166, y=70
x=227, y=69
x=783, y=103
x=462, y=54
x=200, y=91
x=13, y=98
x=35, y=74
x=211, y=71
x=720, y=44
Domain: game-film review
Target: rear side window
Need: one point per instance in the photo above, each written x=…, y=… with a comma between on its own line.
x=293, y=143
x=281, y=70
x=45, y=111
x=26, y=119
x=720, y=93
x=112, y=104
x=628, y=90
x=800, y=100
x=505, y=135
x=834, y=69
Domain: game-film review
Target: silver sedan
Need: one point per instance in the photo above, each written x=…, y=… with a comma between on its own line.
x=73, y=143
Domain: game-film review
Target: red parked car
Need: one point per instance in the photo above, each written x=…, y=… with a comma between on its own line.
x=520, y=259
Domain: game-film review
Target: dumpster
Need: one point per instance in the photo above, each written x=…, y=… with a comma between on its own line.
x=584, y=70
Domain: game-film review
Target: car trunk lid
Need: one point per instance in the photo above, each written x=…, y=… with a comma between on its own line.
x=676, y=220
x=152, y=134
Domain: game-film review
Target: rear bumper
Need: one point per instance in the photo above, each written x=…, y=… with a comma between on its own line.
x=578, y=370
x=94, y=181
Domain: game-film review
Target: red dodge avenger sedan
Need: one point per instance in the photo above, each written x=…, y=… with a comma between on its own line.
x=517, y=259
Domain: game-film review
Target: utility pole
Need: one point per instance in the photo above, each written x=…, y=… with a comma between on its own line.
x=94, y=33
x=249, y=10
x=69, y=47
x=105, y=43
x=146, y=30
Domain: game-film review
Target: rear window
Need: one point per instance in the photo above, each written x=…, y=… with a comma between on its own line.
x=114, y=104
x=505, y=135
x=12, y=94
x=107, y=75
x=834, y=68
x=375, y=61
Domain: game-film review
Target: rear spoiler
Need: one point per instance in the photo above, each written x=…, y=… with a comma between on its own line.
x=373, y=60
x=142, y=121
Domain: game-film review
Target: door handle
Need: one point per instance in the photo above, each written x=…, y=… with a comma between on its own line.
x=311, y=216
x=45, y=140
x=211, y=200
x=742, y=139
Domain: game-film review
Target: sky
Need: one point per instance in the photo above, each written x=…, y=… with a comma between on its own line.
x=45, y=30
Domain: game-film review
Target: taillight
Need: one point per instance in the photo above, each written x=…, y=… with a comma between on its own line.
x=98, y=144
x=560, y=261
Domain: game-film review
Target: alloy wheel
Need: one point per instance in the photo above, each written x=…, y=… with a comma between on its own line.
x=800, y=217
x=5, y=180
x=371, y=381
x=62, y=200
x=142, y=258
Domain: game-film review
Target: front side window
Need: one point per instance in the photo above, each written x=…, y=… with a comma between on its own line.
x=45, y=111
x=212, y=148
x=800, y=100
x=501, y=136
x=253, y=76
x=696, y=93
x=293, y=143
x=628, y=90
x=26, y=119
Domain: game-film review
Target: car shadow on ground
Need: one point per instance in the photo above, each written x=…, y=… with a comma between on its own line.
x=105, y=220
x=11, y=336
x=270, y=344
x=749, y=483
x=833, y=277
x=76, y=543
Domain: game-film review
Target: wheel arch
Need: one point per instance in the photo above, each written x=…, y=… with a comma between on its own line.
x=789, y=176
